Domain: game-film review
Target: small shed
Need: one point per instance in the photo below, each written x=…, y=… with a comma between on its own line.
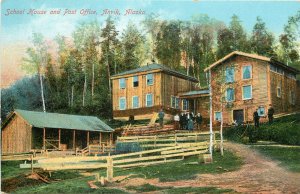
x=24, y=131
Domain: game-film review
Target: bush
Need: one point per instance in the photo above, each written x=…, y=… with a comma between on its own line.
x=285, y=130
x=127, y=147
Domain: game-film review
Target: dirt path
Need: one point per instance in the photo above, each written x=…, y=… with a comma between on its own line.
x=257, y=175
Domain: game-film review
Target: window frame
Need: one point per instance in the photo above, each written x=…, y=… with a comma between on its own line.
x=243, y=72
x=233, y=78
x=135, y=81
x=152, y=79
x=216, y=117
x=138, y=102
x=183, y=105
x=124, y=103
x=120, y=83
x=243, y=92
x=258, y=111
x=152, y=101
x=226, y=93
x=278, y=94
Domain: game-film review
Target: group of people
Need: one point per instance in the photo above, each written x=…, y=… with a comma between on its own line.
x=256, y=116
x=187, y=120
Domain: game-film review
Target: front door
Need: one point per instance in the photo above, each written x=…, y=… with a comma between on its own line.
x=238, y=116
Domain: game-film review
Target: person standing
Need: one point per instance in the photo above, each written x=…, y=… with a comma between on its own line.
x=270, y=114
x=190, y=125
x=181, y=120
x=198, y=121
x=176, y=122
x=161, y=116
x=256, y=118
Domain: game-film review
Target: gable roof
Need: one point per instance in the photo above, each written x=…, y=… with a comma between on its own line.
x=253, y=56
x=153, y=67
x=61, y=121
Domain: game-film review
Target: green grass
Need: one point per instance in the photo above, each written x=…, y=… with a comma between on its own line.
x=172, y=190
x=11, y=169
x=184, y=170
x=288, y=157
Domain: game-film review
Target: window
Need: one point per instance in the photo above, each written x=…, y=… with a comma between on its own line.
x=149, y=78
x=276, y=69
x=218, y=116
x=292, y=97
x=247, y=92
x=229, y=74
x=185, y=104
x=174, y=102
x=291, y=75
x=247, y=71
x=177, y=103
x=149, y=100
x=229, y=94
x=261, y=111
x=122, y=103
x=135, y=102
x=122, y=83
x=135, y=81
x=279, y=91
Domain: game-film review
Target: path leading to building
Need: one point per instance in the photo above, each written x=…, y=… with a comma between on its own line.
x=258, y=174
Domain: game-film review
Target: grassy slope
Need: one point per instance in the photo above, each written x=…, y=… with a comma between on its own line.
x=288, y=157
x=73, y=182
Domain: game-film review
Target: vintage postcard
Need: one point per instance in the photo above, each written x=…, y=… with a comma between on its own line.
x=150, y=96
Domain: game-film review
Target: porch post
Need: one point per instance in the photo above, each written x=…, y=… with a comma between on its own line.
x=44, y=138
x=100, y=138
x=111, y=138
x=74, y=133
x=88, y=138
x=195, y=112
x=59, y=136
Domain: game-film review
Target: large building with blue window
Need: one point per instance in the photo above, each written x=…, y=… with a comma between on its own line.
x=243, y=82
x=140, y=92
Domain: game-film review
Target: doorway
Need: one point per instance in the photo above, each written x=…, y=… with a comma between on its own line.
x=238, y=116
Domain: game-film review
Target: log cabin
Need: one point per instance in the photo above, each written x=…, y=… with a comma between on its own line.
x=24, y=131
x=243, y=82
x=140, y=92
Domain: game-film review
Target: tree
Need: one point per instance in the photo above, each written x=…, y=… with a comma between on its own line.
x=132, y=47
x=288, y=41
x=37, y=60
x=86, y=38
x=262, y=41
x=168, y=45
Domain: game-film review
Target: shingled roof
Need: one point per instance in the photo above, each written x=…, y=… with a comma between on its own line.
x=61, y=121
x=153, y=67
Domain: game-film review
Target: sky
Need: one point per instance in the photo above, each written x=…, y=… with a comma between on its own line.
x=17, y=29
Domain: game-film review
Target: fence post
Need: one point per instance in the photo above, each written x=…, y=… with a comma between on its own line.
x=175, y=139
x=31, y=164
x=110, y=171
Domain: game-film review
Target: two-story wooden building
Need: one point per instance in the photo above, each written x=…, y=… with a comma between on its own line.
x=147, y=89
x=242, y=83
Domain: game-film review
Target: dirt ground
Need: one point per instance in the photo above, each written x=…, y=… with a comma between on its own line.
x=257, y=175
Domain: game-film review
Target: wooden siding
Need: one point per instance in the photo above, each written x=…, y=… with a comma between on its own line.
x=283, y=103
x=163, y=88
x=16, y=136
x=258, y=81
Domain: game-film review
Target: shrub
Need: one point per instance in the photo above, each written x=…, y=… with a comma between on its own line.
x=127, y=147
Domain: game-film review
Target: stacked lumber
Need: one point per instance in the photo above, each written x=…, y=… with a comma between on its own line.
x=147, y=130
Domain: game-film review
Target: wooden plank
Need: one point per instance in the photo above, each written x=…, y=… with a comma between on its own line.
x=184, y=150
x=147, y=163
x=158, y=157
x=59, y=136
x=74, y=139
x=44, y=138
x=88, y=138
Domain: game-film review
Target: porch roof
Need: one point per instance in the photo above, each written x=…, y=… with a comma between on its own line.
x=194, y=93
x=62, y=121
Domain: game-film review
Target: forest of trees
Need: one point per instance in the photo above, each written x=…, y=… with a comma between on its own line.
x=76, y=78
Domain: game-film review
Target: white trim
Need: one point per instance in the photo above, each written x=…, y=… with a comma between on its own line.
x=120, y=103
x=120, y=83
x=243, y=92
x=250, y=72
x=133, y=81
x=279, y=96
x=132, y=104
x=147, y=79
x=233, y=94
x=147, y=101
